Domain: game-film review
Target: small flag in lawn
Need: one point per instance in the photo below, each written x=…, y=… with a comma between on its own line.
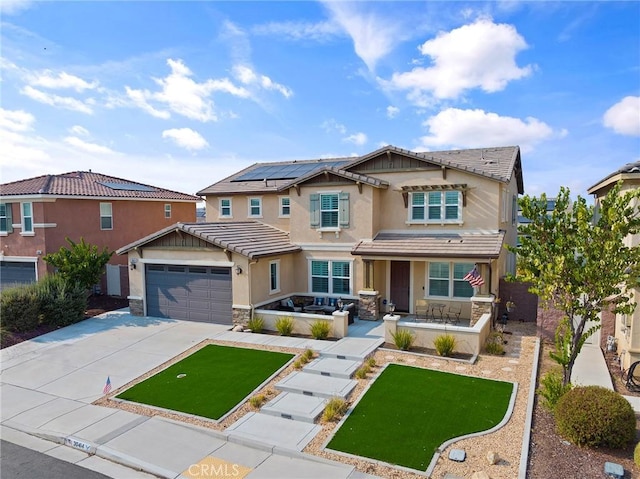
x=107, y=386
x=474, y=278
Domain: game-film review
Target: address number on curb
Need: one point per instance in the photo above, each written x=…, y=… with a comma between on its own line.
x=77, y=444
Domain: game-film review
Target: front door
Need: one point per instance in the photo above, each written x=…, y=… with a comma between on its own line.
x=399, y=293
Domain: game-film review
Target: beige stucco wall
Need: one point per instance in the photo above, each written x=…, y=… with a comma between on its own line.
x=240, y=209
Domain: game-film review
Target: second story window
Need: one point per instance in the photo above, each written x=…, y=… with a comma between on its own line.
x=27, y=218
x=285, y=206
x=225, y=208
x=436, y=207
x=106, y=216
x=167, y=210
x=329, y=210
x=255, y=207
x=6, y=220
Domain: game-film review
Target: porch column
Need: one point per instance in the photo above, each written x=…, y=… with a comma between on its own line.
x=340, y=323
x=390, y=327
x=481, y=305
x=368, y=305
x=368, y=273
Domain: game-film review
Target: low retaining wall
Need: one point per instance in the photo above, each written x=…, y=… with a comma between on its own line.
x=302, y=321
x=470, y=340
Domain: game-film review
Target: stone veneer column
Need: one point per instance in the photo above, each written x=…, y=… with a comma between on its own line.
x=136, y=305
x=480, y=305
x=240, y=314
x=368, y=306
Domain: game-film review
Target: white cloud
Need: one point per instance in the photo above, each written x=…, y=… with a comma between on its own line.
x=78, y=130
x=247, y=76
x=332, y=125
x=624, y=116
x=455, y=128
x=320, y=31
x=356, y=138
x=392, y=111
x=478, y=55
x=16, y=120
x=20, y=150
x=374, y=36
x=86, y=146
x=139, y=99
x=186, y=138
x=12, y=7
x=47, y=79
x=57, y=101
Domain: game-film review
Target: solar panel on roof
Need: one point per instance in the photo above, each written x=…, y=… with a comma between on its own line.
x=127, y=186
x=285, y=172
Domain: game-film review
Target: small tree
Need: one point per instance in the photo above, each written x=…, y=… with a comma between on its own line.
x=81, y=263
x=576, y=258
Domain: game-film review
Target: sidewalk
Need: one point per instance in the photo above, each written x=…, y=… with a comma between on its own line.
x=48, y=384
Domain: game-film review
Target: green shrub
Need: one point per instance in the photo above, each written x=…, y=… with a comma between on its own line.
x=20, y=308
x=62, y=302
x=494, y=344
x=595, y=416
x=309, y=354
x=320, y=329
x=551, y=389
x=445, y=344
x=298, y=363
x=403, y=339
x=256, y=324
x=362, y=372
x=284, y=325
x=334, y=409
x=371, y=362
x=256, y=401
x=636, y=455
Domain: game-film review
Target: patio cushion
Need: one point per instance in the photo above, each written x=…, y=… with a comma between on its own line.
x=318, y=301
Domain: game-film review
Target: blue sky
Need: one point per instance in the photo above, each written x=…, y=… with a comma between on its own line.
x=183, y=94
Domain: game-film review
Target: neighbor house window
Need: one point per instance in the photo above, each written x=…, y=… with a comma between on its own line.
x=106, y=216
x=446, y=280
x=6, y=220
x=331, y=277
x=255, y=207
x=225, y=208
x=285, y=206
x=27, y=218
x=167, y=211
x=436, y=207
x=274, y=276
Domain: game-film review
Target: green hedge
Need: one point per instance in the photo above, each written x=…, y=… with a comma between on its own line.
x=51, y=301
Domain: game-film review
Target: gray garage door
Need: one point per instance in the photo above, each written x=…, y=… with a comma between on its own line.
x=13, y=273
x=193, y=293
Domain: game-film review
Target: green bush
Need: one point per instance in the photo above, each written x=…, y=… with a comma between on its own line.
x=551, y=389
x=334, y=409
x=308, y=354
x=320, y=329
x=20, y=309
x=636, y=455
x=371, y=362
x=256, y=401
x=445, y=344
x=494, y=344
x=298, y=363
x=256, y=324
x=61, y=301
x=284, y=325
x=362, y=372
x=403, y=339
x=595, y=416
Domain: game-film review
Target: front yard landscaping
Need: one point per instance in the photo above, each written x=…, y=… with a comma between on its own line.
x=209, y=382
x=408, y=412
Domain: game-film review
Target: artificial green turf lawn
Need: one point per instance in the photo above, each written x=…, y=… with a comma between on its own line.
x=408, y=412
x=217, y=378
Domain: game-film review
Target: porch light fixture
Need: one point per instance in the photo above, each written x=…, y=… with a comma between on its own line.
x=238, y=270
x=132, y=264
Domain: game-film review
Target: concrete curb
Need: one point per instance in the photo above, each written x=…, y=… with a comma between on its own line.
x=526, y=437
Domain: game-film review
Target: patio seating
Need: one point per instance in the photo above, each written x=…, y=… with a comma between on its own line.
x=287, y=305
x=422, y=309
x=453, y=313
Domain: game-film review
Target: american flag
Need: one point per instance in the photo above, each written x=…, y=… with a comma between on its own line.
x=474, y=278
x=107, y=387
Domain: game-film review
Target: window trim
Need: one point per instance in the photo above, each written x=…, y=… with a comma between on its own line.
x=277, y=289
x=167, y=210
x=450, y=280
x=8, y=219
x=221, y=207
x=443, y=208
x=23, y=217
x=250, y=207
x=110, y=215
x=281, y=206
x=330, y=276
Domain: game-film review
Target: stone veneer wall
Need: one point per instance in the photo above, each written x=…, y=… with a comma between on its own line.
x=136, y=306
x=478, y=308
x=241, y=316
x=368, y=305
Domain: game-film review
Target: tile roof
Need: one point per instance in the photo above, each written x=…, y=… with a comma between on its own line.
x=628, y=169
x=450, y=245
x=356, y=177
x=89, y=184
x=248, y=238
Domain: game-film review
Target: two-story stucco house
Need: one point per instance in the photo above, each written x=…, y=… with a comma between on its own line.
x=37, y=214
x=627, y=327
x=392, y=225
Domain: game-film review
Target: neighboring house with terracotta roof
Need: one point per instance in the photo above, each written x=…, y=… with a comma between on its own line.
x=627, y=327
x=37, y=214
x=392, y=225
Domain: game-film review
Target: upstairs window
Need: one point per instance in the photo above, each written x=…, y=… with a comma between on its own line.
x=255, y=207
x=106, y=216
x=436, y=207
x=6, y=221
x=167, y=210
x=329, y=210
x=285, y=206
x=27, y=218
x=225, y=208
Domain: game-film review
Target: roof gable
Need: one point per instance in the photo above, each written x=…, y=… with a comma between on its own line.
x=329, y=173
